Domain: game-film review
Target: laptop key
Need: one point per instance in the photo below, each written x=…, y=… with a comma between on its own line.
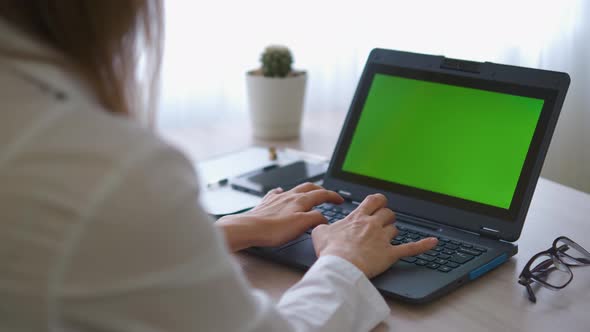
x=440, y=261
x=421, y=262
x=395, y=242
x=433, y=266
x=448, y=252
x=444, y=239
x=460, y=258
x=480, y=249
x=455, y=242
x=432, y=253
x=451, y=246
x=469, y=251
x=467, y=245
x=425, y=257
x=452, y=265
x=444, y=269
x=443, y=256
x=409, y=259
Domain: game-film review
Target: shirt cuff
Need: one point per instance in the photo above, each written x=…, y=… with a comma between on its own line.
x=365, y=289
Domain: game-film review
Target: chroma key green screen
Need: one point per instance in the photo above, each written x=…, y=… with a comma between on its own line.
x=457, y=141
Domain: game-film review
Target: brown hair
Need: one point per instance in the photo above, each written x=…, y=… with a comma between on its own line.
x=115, y=45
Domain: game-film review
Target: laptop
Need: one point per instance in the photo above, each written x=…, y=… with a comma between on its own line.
x=457, y=147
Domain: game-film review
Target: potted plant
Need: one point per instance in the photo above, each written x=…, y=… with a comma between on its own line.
x=275, y=95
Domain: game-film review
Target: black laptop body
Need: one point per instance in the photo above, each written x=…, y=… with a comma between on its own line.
x=457, y=147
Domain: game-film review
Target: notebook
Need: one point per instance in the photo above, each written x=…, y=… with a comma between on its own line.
x=457, y=147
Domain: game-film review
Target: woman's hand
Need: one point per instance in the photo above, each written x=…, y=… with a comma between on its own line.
x=363, y=238
x=279, y=218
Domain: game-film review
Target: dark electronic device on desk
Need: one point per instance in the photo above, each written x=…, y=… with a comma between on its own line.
x=261, y=181
x=457, y=148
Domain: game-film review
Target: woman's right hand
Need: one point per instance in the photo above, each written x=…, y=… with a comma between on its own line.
x=363, y=238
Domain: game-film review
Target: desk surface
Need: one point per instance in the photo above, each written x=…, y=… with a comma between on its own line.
x=495, y=302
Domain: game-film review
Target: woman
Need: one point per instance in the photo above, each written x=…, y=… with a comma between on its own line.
x=100, y=226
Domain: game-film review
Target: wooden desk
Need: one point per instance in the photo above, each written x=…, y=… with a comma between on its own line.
x=495, y=302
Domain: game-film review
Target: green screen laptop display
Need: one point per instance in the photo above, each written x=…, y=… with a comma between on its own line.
x=461, y=142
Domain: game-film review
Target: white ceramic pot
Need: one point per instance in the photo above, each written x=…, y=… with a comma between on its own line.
x=276, y=105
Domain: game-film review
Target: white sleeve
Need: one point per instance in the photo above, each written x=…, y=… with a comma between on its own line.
x=146, y=258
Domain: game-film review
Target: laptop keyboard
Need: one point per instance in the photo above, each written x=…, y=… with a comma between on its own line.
x=449, y=253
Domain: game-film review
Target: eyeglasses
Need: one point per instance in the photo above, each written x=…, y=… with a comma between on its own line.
x=552, y=268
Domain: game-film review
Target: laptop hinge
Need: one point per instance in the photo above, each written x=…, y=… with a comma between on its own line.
x=489, y=233
x=486, y=232
x=408, y=218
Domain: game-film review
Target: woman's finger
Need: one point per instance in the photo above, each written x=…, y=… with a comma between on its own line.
x=371, y=204
x=413, y=248
x=317, y=197
x=391, y=231
x=310, y=219
x=383, y=216
x=274, y=191
x=306, y=187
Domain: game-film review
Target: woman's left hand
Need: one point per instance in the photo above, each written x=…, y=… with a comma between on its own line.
x=279, y=218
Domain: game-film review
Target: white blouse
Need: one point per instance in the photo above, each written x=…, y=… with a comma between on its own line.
x=101, y=230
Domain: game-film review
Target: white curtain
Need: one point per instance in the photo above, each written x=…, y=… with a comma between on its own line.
x=211, y=44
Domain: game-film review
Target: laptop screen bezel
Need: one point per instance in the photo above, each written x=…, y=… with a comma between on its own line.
x=415, y=198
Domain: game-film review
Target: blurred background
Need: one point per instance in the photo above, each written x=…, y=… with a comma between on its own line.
x=211, y=44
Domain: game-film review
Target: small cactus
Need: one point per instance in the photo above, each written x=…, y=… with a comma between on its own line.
x=276, y=61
